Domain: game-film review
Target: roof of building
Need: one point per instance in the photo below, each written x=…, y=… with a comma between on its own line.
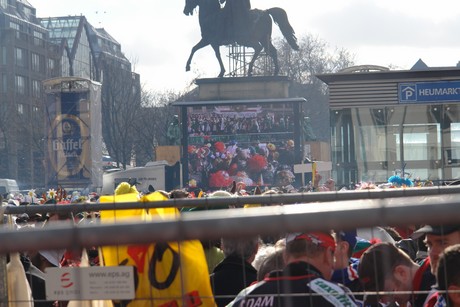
x=25, y=2
x=419, y=70
x=63, y=27
x=432, y=72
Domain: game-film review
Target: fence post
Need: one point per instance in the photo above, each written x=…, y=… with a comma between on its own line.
x=3, y=272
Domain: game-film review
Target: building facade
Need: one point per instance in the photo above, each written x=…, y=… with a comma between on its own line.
x=385, y=121
x=27, y=58
x=33, y=50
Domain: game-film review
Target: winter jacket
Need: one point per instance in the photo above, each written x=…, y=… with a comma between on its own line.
x=229, y=277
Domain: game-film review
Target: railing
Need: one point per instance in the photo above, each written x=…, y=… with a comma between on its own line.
x=313, y=211
x=301, y=212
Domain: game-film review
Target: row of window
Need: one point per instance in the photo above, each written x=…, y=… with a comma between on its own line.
x=36, y=62
x=21, y=86
x=28, y=11
x=38, y=37
x=108, y=44
x=21, y=109
x=24, y=29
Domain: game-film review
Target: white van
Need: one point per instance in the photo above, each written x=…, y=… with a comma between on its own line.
x=8, y=186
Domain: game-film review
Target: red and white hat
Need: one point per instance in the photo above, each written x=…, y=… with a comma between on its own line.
x=319, y=238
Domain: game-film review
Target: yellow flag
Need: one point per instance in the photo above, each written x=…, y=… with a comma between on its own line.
x=166, y=274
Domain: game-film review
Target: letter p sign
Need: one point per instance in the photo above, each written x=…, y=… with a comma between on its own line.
x=407, y=92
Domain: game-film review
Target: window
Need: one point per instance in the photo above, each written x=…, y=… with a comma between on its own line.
x=35, y=62
x=36, y=88
x=3, y=3
x=15, y=26
x=4, y=55
x=4, y=87
x=38, y=38
x=20, y=85
x=20, y=58
x=20, y=108
x=28, y=11
x=51, y=64
x=36, y=116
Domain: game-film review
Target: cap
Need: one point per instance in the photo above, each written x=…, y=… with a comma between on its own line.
x=319, y=238
x=360, y=247
x=348, y=236
x=440, y=230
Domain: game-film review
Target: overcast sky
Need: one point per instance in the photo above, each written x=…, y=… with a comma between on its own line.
x=157, y=36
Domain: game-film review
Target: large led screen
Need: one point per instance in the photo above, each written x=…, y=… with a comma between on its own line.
x=249, y=144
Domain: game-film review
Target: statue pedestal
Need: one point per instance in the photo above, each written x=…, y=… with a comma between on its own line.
x=171, y=154
x=243, y=88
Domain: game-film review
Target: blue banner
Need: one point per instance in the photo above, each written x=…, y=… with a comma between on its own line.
x=421, y=92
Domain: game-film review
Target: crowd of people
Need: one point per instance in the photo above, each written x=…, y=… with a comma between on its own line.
x=202, y=124
x=217, y=164
x=379, y=266
x=252, y=146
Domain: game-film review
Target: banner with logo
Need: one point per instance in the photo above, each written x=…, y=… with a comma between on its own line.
x=74, y=132
x=168, y=274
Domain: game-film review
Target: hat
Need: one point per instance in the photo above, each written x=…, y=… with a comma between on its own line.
x=440, y=230
x=53, y=256
x=216, y=194
x=348, y=236
x=318, y=238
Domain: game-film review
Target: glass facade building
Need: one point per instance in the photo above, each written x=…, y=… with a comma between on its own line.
x=384, y=122
x=71, y=33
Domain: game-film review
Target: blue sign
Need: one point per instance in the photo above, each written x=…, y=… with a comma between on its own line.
x=420, y=92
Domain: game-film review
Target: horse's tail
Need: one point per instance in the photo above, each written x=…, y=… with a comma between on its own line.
x=281, y=19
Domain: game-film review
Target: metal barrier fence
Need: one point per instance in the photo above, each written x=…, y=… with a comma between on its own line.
x=301, y=212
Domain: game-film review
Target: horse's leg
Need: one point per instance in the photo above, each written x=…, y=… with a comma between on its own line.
x=202, y=43
x=257, y=49
x=273, y=53
x=216, y=48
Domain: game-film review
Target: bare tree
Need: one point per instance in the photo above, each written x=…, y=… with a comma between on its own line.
x=5, y=138
x=153, y=122
x=314, y=57
x=31, y=148
x=121, y=106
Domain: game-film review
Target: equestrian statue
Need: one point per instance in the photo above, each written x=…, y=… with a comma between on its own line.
x=237, y=23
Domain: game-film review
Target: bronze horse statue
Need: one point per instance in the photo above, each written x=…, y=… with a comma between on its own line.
x=258, y=35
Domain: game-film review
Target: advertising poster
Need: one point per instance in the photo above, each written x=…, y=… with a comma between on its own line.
x=74, y=133
x=69, y=140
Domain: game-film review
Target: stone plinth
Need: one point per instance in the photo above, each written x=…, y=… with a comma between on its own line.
x=243, y=88
x=168, y=153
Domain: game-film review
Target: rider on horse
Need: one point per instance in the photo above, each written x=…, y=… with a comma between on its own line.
x=237, y=19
